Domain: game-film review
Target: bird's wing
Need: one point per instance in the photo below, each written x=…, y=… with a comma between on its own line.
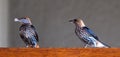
x=91, y=33
x=22, y=35
x=27, y=32
x=35, y=33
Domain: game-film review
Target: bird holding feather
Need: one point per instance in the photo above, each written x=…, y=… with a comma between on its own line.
x=28, y=32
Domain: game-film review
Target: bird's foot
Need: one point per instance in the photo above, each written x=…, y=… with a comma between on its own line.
x=27, y=46
x=86, y=46
x=36, y=46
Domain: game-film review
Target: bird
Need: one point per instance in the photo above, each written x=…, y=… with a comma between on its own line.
x=86, y=35
x=28, y=32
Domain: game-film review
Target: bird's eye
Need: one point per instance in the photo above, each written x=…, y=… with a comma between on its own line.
x=75, y=20
x=22, y=18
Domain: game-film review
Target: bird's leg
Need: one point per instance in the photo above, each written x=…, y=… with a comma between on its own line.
x=86, y=46
x=27, y=46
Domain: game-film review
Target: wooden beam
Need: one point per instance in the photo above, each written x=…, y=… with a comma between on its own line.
x=59, y=52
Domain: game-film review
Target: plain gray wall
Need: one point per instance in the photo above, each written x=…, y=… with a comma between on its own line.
x=4, y=15
x=50, y=17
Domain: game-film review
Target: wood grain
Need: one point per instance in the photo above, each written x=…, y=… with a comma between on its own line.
x=59, y=52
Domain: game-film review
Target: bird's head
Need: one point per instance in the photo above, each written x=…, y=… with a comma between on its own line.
x=78, y=21
x=23, y=20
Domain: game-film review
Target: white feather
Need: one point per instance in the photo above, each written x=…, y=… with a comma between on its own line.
x=16, y=19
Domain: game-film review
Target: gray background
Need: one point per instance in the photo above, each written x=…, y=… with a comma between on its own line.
x=50, y=17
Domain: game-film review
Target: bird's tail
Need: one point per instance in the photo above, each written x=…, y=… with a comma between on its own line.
x=103, y=45
x=106, y=45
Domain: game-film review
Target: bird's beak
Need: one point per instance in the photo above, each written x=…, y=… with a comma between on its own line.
x=16, y=19
x=71, y=20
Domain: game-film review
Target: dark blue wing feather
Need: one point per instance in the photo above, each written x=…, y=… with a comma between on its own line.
x=91, y=32
x=36, y=35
